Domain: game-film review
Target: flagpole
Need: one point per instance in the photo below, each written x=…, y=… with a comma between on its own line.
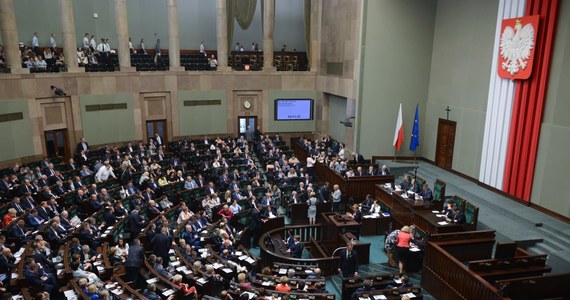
x=415, y=157
x=395, y=153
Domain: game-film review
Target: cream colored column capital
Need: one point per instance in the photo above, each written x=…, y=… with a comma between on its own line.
x=222, y=31
x=268, y=27
x=10, y=37
x=122, y=23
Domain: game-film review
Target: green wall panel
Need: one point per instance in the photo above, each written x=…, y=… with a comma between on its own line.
x=337, y=113
x=460, y=72
x=203, y=119
x=395, y=67
x=16, y=134
x=552, y=159
x=290, y=126
x=108, y=126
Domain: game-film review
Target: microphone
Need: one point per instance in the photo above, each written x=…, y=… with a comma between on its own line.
x=335, y=250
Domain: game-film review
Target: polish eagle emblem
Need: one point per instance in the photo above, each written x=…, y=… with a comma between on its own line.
x=517, y=47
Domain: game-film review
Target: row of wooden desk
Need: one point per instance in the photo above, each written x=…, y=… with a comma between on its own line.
x=413, y=212
x=356, y=187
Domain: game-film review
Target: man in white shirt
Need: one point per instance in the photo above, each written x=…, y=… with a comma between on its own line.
x=213, y=62
x=143, y=49
x=92, y=43
x=252, y=46
x=36, y=44
x=104, y=172
x=131, y=49
x=202, y=48
x=86, y=42
x=52, y=43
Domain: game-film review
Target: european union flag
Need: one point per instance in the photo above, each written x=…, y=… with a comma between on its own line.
x=415, y=142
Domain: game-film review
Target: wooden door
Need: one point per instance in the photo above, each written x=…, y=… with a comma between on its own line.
x=57, y=143
x=157, y=126
x=445, y=143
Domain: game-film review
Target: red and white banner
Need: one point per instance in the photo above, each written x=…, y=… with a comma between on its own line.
x=399, y=132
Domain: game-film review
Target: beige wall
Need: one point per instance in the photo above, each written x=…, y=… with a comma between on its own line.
x=135, y=89
x=339, y=42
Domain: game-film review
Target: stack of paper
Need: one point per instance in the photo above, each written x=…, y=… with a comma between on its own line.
x=202, y=280
x=168, y=292
x=117, y=291
x=379, y=297
x=69, y=295
x=152, y=280
x=442, y=223
x=250, y=260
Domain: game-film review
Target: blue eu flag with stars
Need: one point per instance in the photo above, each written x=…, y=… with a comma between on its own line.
x=415, y=142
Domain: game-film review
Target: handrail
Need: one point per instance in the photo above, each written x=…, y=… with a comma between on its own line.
x=328, y=265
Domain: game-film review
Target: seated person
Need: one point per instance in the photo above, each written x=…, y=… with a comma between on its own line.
x=160, y=268
x=458, y=217
x=405, y=282
x=283, y=286
x=366, y=287
x=426, y=193
x=448, y=210
x=405, y=185
x=78, y=272
x=36, y=277
x=297, y=249
x=186, y=290
x=150, y=292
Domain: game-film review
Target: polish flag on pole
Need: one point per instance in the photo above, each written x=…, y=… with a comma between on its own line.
x=399, y=133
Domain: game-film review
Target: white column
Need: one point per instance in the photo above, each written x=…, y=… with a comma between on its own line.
x=315, y=27
x=10, y=37
x=122, y=23
x=268, y=25
x=222, y=28
x=173, y=37
x=68, y=35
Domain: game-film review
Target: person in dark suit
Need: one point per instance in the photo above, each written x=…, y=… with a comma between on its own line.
x=405, y=185
x=366, y=204
x=54, y=237
x=134, y=261
x=348, y=261
x=296, y=249
x=384, y=171
x=366, y=287
x=150, y=292
x=36, y=277
x=18, y=232
x=7, y=261
x=34, y=220
x=357, y=158
x=161, y=244
x=256, y=224
x=137, y=223
x=160, y=269
x=325, y=193
x=414, y=187
x=109, y=216
x=458, y=217
x=290, y=239
x=82, y=146
x=17, y=205
x=426, y=193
